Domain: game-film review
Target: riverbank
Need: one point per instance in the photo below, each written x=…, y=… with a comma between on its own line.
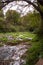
x=15, y=38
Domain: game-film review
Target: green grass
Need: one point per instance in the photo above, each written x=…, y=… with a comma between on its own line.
x=16, y=36
x=35, y=52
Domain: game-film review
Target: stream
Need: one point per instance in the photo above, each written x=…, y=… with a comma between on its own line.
x=11, y=55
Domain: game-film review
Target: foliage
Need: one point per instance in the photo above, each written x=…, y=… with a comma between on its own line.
x=10, y=22
x=31, y=21
x=1, y=14
x=12, y=17
x=14, y=23
x=35, y=52
x=2, y=21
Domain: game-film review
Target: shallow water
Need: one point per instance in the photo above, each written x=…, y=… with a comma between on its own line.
x=11, y=55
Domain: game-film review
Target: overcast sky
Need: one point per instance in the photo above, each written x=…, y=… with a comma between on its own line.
x=16, y=6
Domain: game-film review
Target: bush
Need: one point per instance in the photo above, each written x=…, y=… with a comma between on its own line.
x=33, y=54
x=31, y=21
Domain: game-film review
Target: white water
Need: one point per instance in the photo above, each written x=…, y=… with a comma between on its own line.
x=13, y=53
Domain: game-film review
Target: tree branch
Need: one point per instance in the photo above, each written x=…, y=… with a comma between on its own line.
x=28, y=1
x=36, y=7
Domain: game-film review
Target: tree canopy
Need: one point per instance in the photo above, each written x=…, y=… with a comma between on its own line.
x=37, y=4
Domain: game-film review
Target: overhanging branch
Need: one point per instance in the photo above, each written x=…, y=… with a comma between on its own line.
x=28, y=1
x=36, y=7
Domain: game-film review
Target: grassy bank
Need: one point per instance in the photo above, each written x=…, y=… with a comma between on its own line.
x=15, y=37
x=35, y=52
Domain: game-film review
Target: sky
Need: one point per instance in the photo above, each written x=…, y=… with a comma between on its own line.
x=17, y=6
